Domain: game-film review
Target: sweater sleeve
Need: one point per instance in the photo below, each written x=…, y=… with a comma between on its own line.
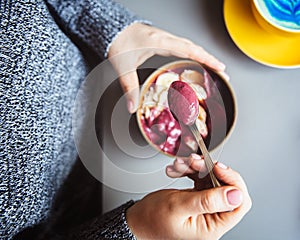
x=111, y=225
x=95, y=22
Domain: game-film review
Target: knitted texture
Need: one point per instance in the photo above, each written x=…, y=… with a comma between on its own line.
x=41, y=70
x=96, y=22
x=111, y=225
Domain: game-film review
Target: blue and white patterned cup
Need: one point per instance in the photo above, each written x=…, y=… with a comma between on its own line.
x=282, y=15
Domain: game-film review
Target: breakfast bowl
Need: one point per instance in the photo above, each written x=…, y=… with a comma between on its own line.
x=217, y=109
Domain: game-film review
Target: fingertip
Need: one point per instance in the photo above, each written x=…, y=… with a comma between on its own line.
x=224, y=75
x=196, y=156
x=170, y=170
x=221, y=165
x=234, y=197
x=179, y=160
x=215, y=63
x=132, y=100
x=130, y=86
x=229, y=176
x=221, y=66
x=196, y=164
x=130, y=106
x=214, y=200
x=220, y=169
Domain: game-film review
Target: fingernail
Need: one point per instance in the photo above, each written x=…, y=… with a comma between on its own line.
x=169, y=169
x=226, y=76
x=130, y=106
x=221, y=66
x=179, y=160
x=234, y=197
x=196, y=156
x=221, y=165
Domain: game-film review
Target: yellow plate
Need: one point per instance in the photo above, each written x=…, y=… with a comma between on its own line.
x=258, y=43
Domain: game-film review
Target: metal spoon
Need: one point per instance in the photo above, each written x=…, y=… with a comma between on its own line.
x=207, y=158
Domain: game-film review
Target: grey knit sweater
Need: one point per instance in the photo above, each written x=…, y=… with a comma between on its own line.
x=41, y=69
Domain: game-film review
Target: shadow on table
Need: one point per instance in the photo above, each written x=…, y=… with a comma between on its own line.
x=212, y=11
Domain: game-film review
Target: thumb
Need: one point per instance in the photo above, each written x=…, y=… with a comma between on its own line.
x=130, y=86
x=221, y=199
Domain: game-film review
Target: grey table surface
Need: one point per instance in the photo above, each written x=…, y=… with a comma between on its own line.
x=264, y=146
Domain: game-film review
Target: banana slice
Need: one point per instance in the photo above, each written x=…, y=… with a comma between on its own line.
x=202, y=127
x=164, y=80
x=202, y=114
x=200, y=91
x=191, y=76
x=196, y=81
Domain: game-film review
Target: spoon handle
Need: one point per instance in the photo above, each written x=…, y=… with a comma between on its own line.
x=207, y=158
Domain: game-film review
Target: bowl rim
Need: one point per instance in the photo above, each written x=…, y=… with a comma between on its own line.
x=168, y=66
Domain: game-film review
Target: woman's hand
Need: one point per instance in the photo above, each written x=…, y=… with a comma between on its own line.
x=191, y=214
x=140, y=42
x=192, y=167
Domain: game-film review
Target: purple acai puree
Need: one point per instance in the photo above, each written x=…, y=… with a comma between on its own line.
x=183, y=102
x=166, y=133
